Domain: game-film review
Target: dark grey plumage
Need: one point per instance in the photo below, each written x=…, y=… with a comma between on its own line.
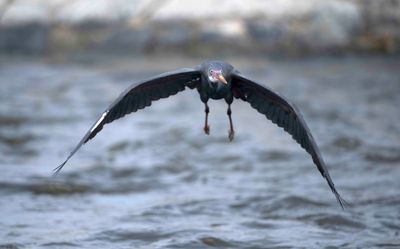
x=215, y=80
x=137, y=97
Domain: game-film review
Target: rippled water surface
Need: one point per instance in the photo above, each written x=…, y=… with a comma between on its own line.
x=154, y=180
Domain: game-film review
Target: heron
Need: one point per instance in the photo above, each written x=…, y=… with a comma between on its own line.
x=214, y=80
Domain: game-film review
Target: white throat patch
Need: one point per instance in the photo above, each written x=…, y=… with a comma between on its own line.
x=210, y=78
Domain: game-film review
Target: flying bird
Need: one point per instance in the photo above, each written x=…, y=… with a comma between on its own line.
x=215, y=80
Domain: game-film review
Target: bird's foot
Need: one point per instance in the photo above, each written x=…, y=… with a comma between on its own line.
x=231, y=135
x=207, y=129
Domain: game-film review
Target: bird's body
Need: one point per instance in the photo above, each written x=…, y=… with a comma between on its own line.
x=214, y=90
x=214, y=80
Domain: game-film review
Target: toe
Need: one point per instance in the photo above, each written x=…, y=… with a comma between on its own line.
x=207, y=130
x=231, y=135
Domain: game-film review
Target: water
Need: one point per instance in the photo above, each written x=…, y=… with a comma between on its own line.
x=154, y=180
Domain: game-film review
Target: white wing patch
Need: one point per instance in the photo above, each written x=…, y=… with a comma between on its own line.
x=99, y=121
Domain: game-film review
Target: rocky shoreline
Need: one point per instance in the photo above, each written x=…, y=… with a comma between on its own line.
x=269, y=27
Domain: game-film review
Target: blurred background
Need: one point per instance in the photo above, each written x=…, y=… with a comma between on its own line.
x=153, y=179
x=278, y=28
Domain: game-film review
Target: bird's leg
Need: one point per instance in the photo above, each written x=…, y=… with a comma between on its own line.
x=206, y=126
x=231, y=130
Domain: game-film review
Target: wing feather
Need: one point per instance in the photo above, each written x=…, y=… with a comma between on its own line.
x=284, y=114
x=137, y=97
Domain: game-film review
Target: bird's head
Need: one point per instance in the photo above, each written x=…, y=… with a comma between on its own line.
x=216, y=75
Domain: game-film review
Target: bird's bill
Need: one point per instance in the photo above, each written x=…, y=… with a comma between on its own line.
x=222, y=79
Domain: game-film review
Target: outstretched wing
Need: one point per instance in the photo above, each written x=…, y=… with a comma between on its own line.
x=137, y=97
x=284, y=114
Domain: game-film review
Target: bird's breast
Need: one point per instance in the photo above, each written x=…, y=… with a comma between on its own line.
x=216, y=91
